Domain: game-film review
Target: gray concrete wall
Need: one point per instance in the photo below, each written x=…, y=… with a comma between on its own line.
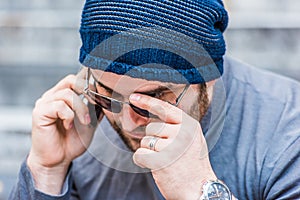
x=39, y=44
x=266, y=34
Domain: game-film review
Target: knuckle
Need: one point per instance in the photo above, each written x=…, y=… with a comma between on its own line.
x=143, y=143
x=156, y=128
x=35, y=111
x=46, y=94
x=59, y=105
x=68, y=94
x=134, y=159
x=144, y=140
x=38, y=102
x=137, y=156
x=64, y=109
x=70, y=78
x=69, y=114
x=155, y=102
x=149, y=127
x=38, y=108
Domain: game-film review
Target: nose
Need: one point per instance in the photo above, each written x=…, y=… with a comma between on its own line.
x=130, y=119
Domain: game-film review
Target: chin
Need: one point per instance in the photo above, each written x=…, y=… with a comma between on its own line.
x=132, y=144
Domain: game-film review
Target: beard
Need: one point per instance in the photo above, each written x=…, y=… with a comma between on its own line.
x=197, y=111
x=132, y=143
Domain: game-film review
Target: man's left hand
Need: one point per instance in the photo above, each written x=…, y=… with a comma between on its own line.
x=175, y=150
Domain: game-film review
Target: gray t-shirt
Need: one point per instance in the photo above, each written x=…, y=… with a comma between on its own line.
x=253, y=134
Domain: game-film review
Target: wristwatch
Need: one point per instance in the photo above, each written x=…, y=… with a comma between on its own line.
x=215, y=190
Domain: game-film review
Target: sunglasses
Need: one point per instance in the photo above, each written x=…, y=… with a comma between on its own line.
x=115, y=106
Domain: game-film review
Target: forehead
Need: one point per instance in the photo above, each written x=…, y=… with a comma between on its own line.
x=127, y=84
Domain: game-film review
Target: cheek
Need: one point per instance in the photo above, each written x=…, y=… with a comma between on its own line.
x=189, y=102
x=170, y=97
x=110, y=116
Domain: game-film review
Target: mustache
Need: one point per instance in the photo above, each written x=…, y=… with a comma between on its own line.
x=138, y=129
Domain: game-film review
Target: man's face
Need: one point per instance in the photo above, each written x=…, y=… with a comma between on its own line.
x=130, y=125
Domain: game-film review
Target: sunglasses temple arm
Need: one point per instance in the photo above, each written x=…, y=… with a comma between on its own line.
x=181, y=95
x=86, y=86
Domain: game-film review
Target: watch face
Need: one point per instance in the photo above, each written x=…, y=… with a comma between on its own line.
x=218, y=191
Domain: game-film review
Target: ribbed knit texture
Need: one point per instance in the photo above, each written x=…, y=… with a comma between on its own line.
x=166, y=40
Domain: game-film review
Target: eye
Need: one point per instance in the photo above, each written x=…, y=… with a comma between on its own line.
x=108, y=93
x=155, y=95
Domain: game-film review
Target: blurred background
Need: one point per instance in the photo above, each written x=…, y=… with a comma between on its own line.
x=39, y=43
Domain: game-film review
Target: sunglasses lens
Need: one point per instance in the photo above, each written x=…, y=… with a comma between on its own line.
x=116, y=107
x=142, y=112
x=112, y=106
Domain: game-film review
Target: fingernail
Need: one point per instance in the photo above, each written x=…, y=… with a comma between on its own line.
x=71, y=126
x=87, y=119
x=135, y=97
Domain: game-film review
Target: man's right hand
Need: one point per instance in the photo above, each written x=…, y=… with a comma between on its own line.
x=60, y=133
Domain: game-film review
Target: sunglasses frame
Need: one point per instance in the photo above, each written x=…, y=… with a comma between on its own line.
x=138, y=110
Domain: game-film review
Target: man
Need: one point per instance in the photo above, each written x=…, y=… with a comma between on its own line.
x=176, y=120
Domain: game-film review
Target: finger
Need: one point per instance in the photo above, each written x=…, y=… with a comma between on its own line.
x=146, y=158
x=83, y=134
x=80, y=80
x=66, y=82
x=143, y=157
x=162, y=130
x=164, y=110
x=158, y=145
x=74, y=82
x=74, y=102
x=67, y=116
x=48, y=114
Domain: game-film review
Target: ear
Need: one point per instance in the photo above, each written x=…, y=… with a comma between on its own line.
x=211, y=83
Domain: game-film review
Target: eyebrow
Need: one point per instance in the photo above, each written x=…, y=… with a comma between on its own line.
x=159, y=89
x=104, y=86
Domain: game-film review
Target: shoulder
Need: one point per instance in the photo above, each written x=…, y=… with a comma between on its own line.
x=275, y=97
x=262, y=82
x=264, y=99
x=265, y=104
x=262, y=123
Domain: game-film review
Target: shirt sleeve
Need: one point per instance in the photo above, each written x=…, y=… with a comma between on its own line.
x=284, y=182
x=25, y=188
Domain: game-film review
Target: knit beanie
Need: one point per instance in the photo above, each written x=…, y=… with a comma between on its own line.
x=178, y=41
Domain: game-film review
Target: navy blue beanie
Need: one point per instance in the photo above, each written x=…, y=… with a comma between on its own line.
x=178, y=41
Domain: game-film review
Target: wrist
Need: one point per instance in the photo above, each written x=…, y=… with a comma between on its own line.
x=195, y=189
x=215, y=189
x=47, y=179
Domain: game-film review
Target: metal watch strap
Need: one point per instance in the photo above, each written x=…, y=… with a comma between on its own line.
x=208, y=183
